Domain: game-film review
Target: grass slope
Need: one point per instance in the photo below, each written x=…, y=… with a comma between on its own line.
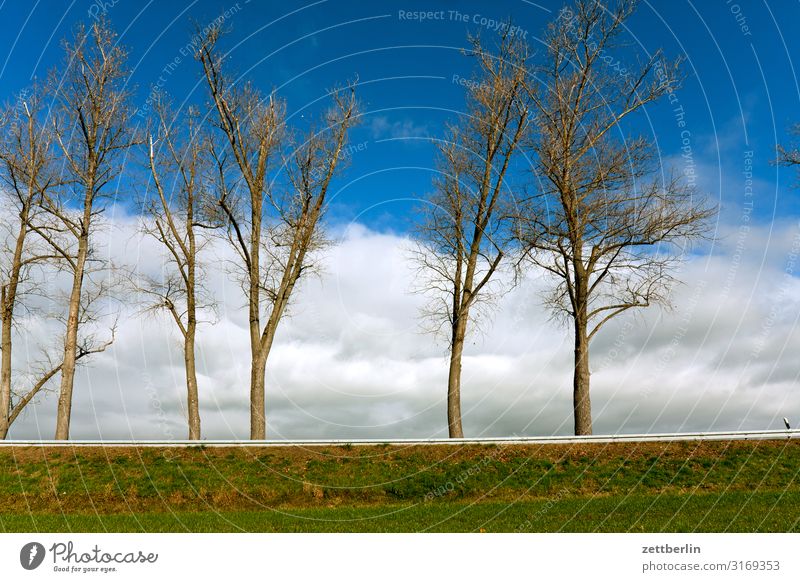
x=694, y=486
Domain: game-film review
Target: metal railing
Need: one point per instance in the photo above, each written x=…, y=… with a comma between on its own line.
x=538, y=440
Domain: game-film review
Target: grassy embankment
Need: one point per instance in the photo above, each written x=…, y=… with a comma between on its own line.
x=709, y=486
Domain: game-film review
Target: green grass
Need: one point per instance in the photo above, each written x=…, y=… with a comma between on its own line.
x=740, y=486
x=736, y=512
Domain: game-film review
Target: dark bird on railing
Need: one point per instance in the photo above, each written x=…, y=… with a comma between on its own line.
x=786, y=422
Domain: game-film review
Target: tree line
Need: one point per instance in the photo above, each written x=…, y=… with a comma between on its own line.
x=66, y=144
x=543, y=170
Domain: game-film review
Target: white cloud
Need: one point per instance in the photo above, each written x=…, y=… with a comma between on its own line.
x=351, y=363
x=382, y=127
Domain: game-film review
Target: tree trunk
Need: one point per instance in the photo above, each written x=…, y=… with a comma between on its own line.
x=192, y=397
x=258, y=358
x=454, y=380
x=5, y=374
x=71, y=340
x=258, y=421
x=9, y=297
x=582, y=406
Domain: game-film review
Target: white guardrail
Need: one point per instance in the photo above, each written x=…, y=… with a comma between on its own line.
x=544, y=440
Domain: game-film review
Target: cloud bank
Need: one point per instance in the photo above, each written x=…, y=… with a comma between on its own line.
x=351, y=361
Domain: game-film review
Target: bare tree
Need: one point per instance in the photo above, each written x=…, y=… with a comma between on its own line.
x=790, y=156
x=27, y=169
x=462, y=236
x=605, y=222
x=26, y=160
x=274, y=230
x=180, y=166
x=93, y=128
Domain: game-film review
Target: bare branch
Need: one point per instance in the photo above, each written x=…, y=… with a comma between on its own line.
x=92, y=122
x=464, y=229
x=274, y=229
x=608, y=223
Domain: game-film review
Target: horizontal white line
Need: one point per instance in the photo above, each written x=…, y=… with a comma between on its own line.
x=642, y=438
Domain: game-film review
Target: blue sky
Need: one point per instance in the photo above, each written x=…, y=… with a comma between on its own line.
x=741, y=94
